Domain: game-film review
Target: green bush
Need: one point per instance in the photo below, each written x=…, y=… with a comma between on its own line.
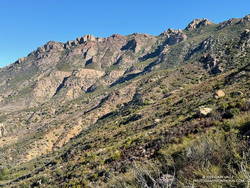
x=4, y=173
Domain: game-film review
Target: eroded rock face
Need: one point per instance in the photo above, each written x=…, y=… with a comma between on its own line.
x=113, y=76
x=80, y=81
x=47, y=86
x=174, y=36
x=138, y=43
x=207, y=44
x=211, y=63
x=198, y=23
x=51, y=46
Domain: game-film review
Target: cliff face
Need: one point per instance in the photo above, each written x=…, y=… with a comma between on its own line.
x=121, y=98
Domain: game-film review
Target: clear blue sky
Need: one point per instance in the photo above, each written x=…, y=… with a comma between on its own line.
x=27, y=24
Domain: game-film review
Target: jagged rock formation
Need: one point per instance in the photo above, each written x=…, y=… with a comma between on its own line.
x=198, y=23
x=174, y=36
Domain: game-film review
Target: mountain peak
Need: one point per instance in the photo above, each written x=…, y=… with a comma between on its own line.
x=197, y=23
x=80, y=40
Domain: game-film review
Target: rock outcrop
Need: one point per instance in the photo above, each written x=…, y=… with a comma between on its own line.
x=204, y=111
x=219, y=94
x=47, y=86
x=80, y=81
x=198, y=23
x=174, y=36
x=51, y=46
x=80, y=40
x=228, y=23
x=245, y=40
x=211, y=63
x=245, y=19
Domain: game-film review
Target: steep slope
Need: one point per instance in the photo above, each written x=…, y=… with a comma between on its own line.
x=81, y=113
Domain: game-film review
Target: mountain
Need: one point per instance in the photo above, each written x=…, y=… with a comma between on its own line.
x=130, y=111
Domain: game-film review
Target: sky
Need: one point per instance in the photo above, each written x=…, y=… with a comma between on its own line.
x=28, y=24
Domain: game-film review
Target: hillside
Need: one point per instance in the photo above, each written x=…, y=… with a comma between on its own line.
x=130, y=111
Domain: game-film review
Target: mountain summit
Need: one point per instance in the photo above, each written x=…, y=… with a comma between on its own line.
x=198, y=23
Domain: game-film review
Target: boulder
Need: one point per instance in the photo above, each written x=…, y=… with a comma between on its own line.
x=204, y=111
x=157, y=120
x=219, y=94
